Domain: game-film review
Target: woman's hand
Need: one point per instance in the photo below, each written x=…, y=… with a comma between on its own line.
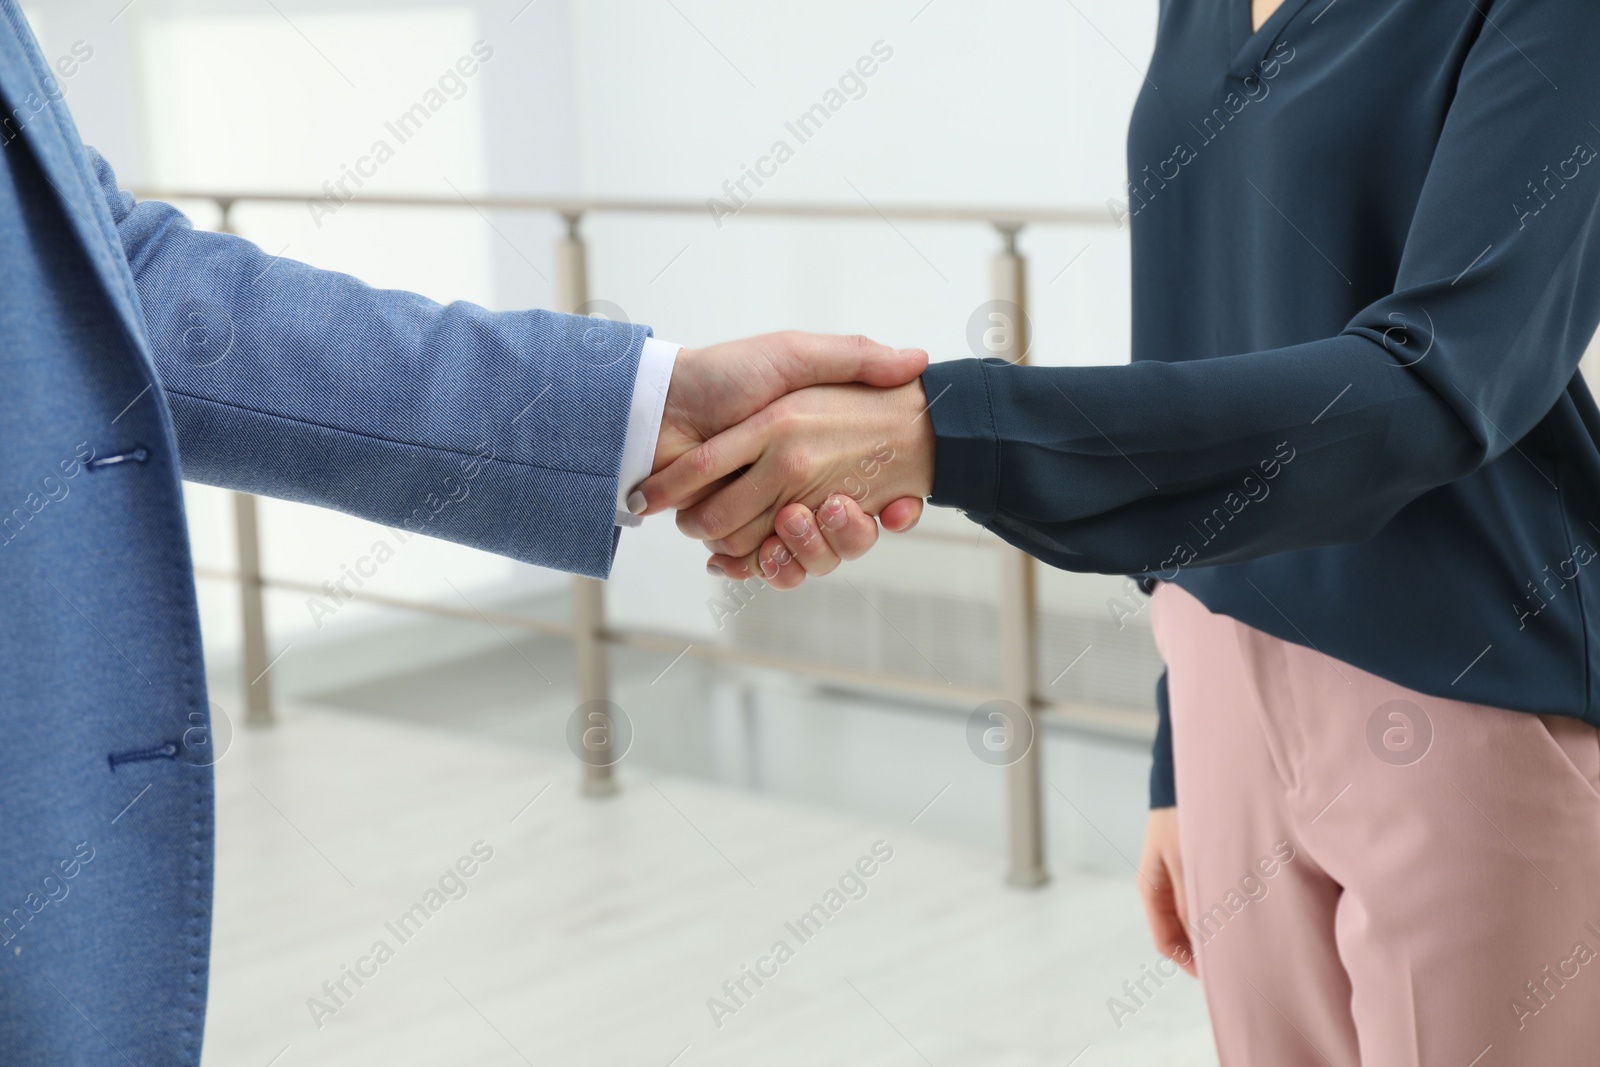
x=716, y=387
x=1166, y=908
x=873, y=445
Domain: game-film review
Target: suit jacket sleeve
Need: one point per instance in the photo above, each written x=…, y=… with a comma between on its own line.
x=499, y=430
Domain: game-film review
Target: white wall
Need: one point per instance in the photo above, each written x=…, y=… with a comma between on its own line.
x=1017, y=105
x=1023, y=104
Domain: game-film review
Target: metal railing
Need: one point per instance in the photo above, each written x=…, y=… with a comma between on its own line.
x=588, y=629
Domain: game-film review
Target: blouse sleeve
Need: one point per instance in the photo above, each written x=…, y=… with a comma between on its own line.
x=1097, y=468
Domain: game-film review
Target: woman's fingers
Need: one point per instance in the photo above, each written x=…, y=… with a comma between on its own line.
x=700, y=494
x=742, y=542
x=1162, y=890
x=900, y=515
x=1180, y=898
x=1167, y=931
x=738, y=517
x=686, y=477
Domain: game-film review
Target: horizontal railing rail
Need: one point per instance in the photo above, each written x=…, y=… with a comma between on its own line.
x=1000, y=217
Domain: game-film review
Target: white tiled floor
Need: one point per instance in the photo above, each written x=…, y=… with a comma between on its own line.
x=599, y=929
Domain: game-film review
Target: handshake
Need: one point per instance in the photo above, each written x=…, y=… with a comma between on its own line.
x=782, y=452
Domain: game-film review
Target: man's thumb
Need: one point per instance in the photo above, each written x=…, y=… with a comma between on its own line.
x=891, y=367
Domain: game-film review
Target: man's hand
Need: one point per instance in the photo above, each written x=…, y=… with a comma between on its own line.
x=872, y=444
x=717, y=387
x=811, y=545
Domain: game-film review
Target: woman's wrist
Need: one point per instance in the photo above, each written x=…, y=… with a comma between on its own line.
x=881, y=448
x=913, y=444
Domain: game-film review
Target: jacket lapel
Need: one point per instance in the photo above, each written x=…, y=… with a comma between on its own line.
x=36, y=117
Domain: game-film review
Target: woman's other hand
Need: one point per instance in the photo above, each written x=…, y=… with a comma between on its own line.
x=1166, y=908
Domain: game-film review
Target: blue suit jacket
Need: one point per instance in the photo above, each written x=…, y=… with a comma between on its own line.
x=135, y=351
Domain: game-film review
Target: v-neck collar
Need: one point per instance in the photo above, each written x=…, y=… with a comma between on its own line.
x=1250, y=45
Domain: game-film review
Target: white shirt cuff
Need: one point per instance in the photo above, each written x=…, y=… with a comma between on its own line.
x=650, y=384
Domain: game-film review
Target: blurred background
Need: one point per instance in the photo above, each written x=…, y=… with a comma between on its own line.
x=793, y=733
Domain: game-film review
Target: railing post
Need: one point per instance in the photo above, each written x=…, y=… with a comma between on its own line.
x=1018, y=614
x=588, y=595
x=252, y=611
x=252, y=605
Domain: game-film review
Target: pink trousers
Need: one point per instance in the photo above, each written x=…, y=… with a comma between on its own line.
x=1377, y=877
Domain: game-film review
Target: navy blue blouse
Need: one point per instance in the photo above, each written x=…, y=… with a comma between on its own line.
x=1366, y=263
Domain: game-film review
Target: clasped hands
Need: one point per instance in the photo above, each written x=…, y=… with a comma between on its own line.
x=782, y=452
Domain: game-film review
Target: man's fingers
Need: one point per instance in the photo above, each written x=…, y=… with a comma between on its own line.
x=690, y=474
x=845, y=528
x=898, y=516
x=777, y=565
x=735, y=567
x=815, y=542
x=773, y=563
x=800, y=532
x=849, y=531
x=831, y=358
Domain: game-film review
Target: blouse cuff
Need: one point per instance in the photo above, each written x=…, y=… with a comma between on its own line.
x=966, y=455
x=1163, y=789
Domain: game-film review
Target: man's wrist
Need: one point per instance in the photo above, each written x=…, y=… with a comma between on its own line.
x=651, y=382
x=672, y=442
